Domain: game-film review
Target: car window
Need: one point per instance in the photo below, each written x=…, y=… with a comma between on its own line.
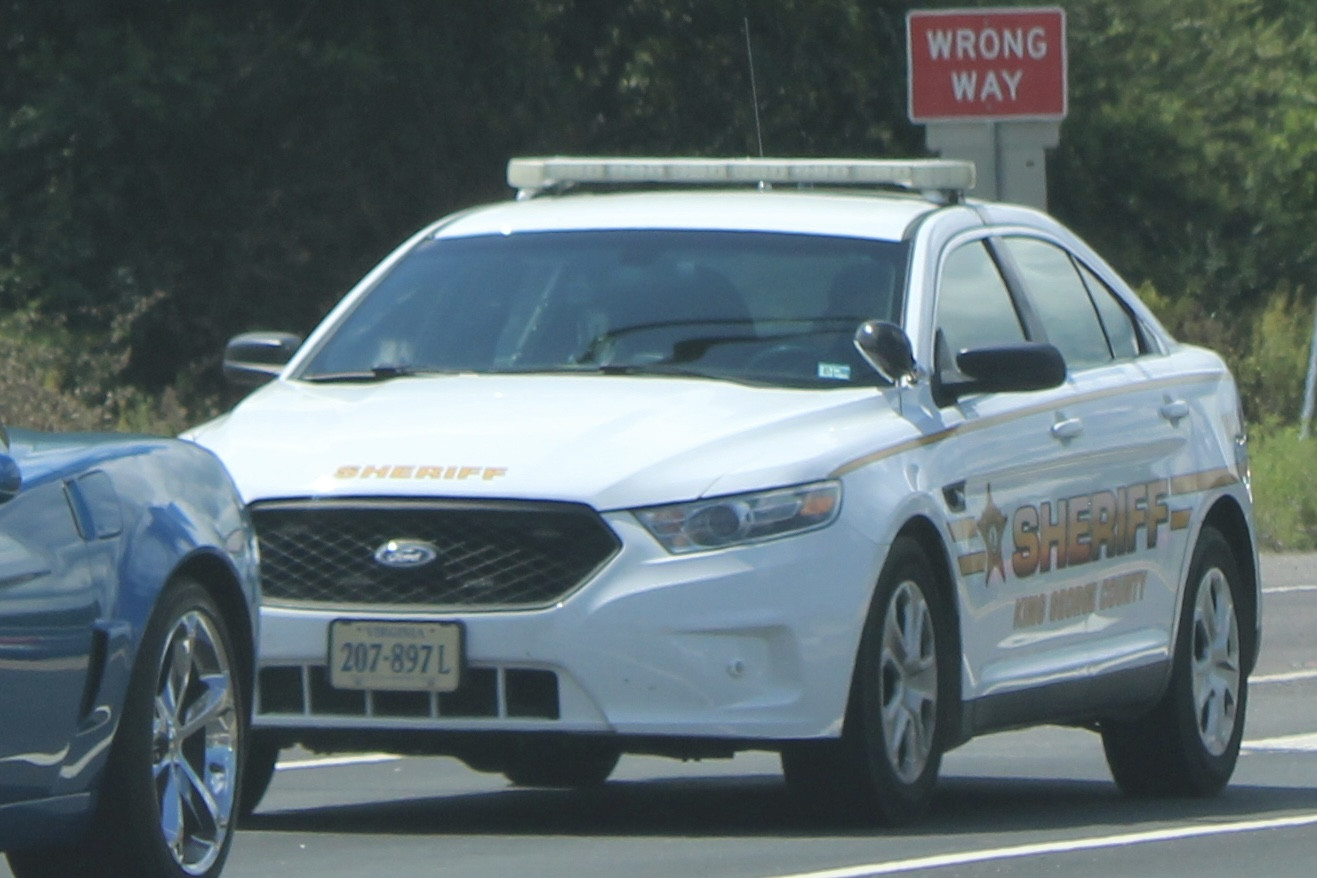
x=974, y=305
x=1061, y=299
x=755, y=307
x=1122, y=331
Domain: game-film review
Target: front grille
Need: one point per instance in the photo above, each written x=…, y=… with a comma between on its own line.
x=487, y=555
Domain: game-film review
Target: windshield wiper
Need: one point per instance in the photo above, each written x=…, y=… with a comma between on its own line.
x=380, y=372
x=662, y=369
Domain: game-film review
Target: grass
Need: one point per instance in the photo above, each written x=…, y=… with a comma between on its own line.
x=1284, y=489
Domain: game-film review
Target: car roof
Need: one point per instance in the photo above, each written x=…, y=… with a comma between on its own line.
x=849, y=213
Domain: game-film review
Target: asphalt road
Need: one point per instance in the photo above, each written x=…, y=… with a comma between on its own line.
x=1029, y=803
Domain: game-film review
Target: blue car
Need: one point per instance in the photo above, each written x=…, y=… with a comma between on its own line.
x=128, y=611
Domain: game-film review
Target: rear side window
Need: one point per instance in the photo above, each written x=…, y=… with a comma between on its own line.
x=1059, y=295
x=1120, y=327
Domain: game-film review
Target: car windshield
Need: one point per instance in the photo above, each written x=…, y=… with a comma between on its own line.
x=775, y=309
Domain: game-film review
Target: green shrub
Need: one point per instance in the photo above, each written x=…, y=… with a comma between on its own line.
x=1285, y=503
x=52, y=378
x=1271, y=371
x=1266, y=347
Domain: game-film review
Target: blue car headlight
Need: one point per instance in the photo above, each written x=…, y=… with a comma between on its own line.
x=719, y=522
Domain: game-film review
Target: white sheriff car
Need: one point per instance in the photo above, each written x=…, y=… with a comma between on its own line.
x=692, y=456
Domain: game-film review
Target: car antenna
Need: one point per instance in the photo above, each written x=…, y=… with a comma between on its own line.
x=754, y=92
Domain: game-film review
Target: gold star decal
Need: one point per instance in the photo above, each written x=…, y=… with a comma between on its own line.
x=992, y=524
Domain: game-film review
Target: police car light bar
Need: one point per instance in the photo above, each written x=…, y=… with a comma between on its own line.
x=530, y=176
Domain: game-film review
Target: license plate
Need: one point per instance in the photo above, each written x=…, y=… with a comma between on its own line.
x=394, y=656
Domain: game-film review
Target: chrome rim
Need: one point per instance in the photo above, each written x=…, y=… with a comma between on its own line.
x=908, y=681
x=195, y=743
x=1215, y=659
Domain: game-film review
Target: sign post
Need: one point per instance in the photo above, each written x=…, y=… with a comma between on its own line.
x=1310, y=383
x=990, y=85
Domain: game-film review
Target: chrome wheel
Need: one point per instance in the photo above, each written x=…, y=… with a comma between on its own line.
x=168, y=797
x=195, y=742
x=908, y=682
x=1215, y=662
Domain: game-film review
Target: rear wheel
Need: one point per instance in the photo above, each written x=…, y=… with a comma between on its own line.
x=169, y=795
x=1189, y=743
x=885, y=765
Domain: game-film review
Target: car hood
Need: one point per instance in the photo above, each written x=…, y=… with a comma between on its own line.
x=46, y=456
x=609, y=441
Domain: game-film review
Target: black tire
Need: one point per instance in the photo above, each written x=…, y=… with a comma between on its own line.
x=1188, y=744
x=567, y=762
x=885, y=766
x=257, y=771
x=161, y=773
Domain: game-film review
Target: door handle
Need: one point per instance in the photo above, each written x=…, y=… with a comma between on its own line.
x=1068, y=428
x=1175, y=409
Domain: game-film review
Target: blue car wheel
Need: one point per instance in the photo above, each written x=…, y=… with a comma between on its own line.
x=176, y=756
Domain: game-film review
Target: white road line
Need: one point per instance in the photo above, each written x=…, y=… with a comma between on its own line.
x=1286, y=677
x=335, y=761
x=1175, y=833
x=1288, y=589
x=1284, y=743
x=1292, y=743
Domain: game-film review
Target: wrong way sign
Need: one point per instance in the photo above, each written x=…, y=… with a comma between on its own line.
x=991, y=64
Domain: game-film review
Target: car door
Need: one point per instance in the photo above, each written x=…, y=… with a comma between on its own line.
x=1004, y=467
x=1130, y=530
x=1056, y=498
x=47, y=610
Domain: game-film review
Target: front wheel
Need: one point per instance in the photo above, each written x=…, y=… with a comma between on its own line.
x=168, y=798
x=566, y=762
x=886, y=763
x=257, y=772
x=1189, y=743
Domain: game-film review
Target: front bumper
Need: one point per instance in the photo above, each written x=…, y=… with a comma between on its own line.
x=755, y=642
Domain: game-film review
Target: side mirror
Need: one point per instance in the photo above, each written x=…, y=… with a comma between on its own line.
x=1007, y=369
x=254, y=358
x=887, y=348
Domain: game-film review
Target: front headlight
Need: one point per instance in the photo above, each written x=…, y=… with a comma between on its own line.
x=742, y=518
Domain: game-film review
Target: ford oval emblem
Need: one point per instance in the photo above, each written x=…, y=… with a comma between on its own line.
x=405, y=554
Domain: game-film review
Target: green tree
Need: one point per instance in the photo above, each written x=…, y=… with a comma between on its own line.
x=173, y=172
x=208, y=168
x=239, y=164
x=1190, y=153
